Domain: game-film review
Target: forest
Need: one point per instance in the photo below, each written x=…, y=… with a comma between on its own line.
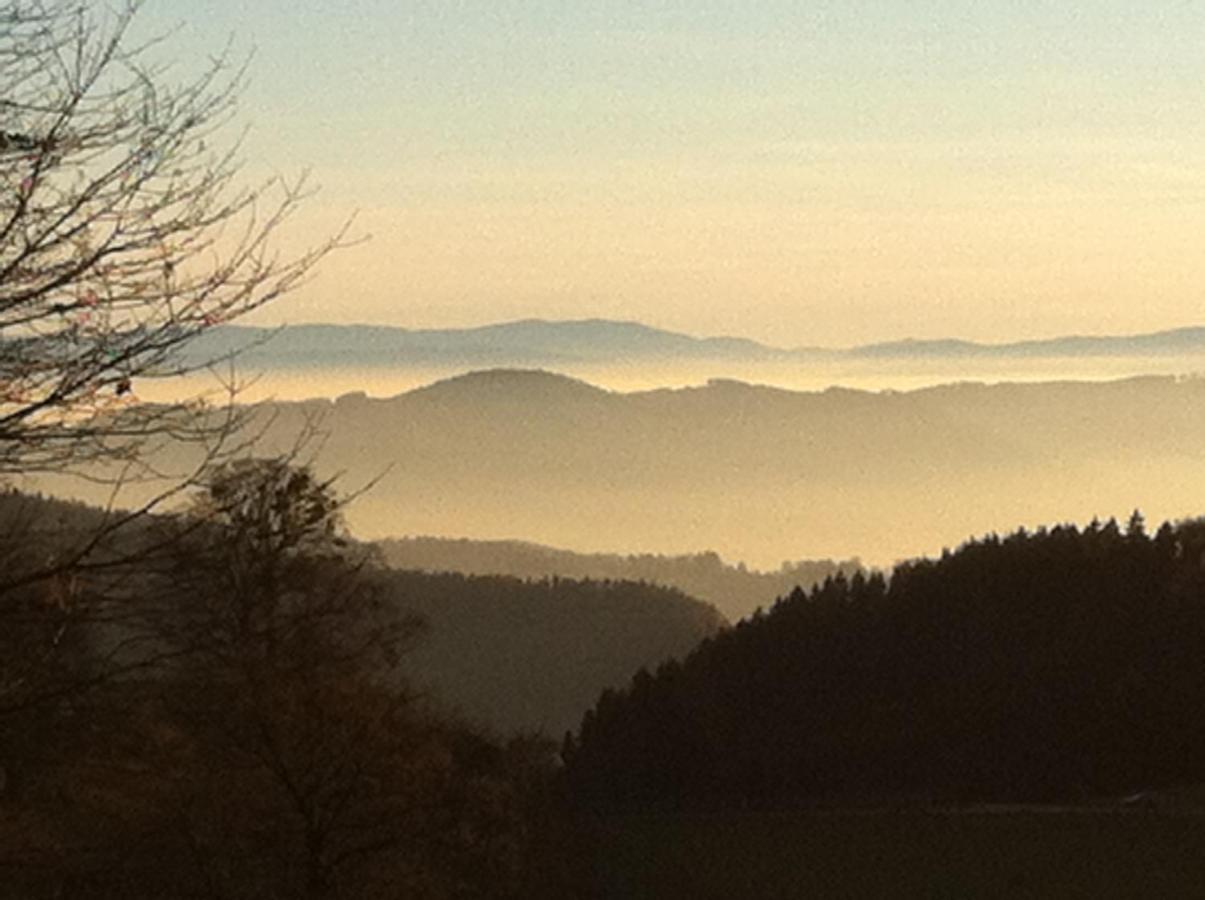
x=225, y=676
x=1058, y=666
x=736, y=590
x=213, y=707
x=240, y=700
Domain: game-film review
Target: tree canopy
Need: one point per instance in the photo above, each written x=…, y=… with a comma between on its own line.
x=125, y=231
x=1063, y=664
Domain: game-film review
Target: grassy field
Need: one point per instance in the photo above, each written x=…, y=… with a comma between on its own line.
x=1013, y=853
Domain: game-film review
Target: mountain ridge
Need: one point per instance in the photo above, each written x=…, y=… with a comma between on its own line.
x=533, y=384
x=756, y=473
x=731, y=588
x=534, y=342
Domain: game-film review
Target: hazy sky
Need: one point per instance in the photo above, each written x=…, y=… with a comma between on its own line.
x=801, y=173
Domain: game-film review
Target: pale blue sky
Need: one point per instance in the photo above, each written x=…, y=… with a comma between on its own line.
x=816, y=172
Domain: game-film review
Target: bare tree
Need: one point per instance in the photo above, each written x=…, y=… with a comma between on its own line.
x=274, y=749
x=286, y=651
x=124, y=232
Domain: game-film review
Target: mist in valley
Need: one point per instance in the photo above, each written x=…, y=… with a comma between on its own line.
x=318, y=382
x=759, y=475
x=665, y=450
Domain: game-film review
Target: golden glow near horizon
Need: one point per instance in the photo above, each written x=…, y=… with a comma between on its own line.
x=846, y=173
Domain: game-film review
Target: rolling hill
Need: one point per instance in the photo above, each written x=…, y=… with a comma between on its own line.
x=509, y=654
x=556, y=344
x=754, y=473
x=702, y=575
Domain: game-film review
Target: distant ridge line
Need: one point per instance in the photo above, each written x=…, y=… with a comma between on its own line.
x=540, y=342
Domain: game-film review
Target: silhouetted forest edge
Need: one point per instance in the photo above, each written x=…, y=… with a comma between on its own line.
x=1059, y=666
x=1022, y=692
x=513, y=655
x=728, y=587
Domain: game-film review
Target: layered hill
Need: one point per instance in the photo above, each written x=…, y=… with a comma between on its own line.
x=527, y=342
x=533, y=656
x=305, y=361
x=536, y=342
x=755, y=473
x=509, y=654
x=702, y=575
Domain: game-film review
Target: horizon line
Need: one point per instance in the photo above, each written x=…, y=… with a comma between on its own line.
x=598, y=320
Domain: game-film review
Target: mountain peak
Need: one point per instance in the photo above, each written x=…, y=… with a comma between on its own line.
x=521, y=384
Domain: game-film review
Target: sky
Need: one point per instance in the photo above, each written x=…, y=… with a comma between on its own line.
x=820, y=173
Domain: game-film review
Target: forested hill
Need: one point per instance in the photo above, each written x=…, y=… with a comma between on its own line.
x=703, y=575
x=533, y=656
x=754, y=473
x=510, y=654
x=1058, y=666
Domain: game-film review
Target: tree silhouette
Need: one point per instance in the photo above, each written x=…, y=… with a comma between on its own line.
x=1054, y=665
x=284, y=655
x=124, y=234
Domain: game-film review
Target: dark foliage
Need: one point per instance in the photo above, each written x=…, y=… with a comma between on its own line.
x=1060, y=665
x=734, y=589
x=236, y=724
x=533, y=656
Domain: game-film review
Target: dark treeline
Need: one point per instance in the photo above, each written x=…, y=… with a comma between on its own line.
x=240, y=700
x=511, y=654
x=213, y=705
x=1063, y=665
x=533, y=656
x=734, y=589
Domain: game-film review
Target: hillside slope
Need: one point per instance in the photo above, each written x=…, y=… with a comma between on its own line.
x=533, y=656
x=754, y=473
x=702, y=575
x=1061, y=666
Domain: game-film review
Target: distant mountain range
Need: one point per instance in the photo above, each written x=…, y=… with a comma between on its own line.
x=755, y=473
x=526, y=343
x=538, y=343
